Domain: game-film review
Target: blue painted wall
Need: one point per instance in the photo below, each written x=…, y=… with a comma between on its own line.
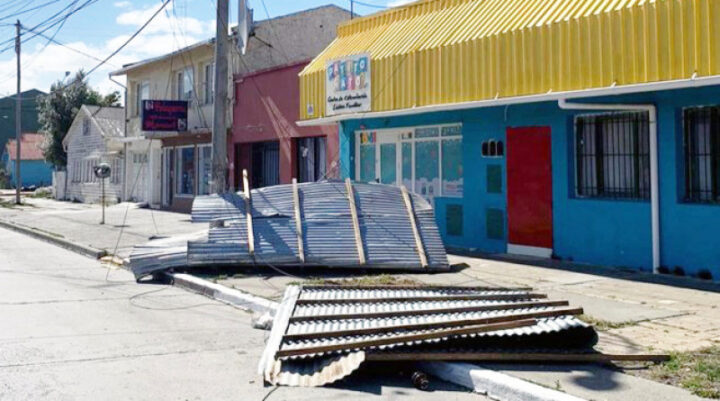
x=34, y=172
x=605, y=232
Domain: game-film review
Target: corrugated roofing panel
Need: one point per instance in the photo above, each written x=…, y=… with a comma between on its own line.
x=450, y=51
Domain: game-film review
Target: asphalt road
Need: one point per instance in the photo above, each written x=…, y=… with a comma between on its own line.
x=68, y=332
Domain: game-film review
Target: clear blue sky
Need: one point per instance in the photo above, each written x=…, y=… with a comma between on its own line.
x=101, y=27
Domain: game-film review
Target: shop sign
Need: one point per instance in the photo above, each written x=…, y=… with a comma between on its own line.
x=164, y=115
x=347, y=85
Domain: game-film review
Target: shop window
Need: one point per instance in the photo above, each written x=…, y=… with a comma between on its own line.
x=430, y=159
x=265, y=164
x=204, y=169
x=702, y=154
x=186, y=171
x=311, y=158
x=612, y=154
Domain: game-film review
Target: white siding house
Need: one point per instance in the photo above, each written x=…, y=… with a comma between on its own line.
x=95, y=136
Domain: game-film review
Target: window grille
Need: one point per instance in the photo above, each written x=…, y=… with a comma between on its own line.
x=612, y=154
x=701, y=126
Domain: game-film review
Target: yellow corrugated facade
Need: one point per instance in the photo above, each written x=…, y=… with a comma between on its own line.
x=450, y=51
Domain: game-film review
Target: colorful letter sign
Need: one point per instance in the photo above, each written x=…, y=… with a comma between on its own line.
x=347, y=85
x=164, y=115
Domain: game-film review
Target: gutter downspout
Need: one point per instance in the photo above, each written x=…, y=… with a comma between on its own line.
x=125, y=153
x=654, y=182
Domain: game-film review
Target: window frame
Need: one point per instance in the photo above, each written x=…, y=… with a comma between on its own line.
x=642, y=194
x=180, y=84
x=713, y=121
x=178, y=171
x=402, y=137
x=209, y=82
x=139, y=88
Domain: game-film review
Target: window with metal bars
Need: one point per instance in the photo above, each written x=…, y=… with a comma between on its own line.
x=701, y=126
x=612, y=154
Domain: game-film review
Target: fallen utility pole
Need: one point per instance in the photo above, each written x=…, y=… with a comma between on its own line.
x=18, y=116
x=219, y=130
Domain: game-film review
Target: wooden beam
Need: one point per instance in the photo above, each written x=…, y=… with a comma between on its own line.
x=248, y=215
x=515, y=357
x=402, y=338
x=430, y=298
x=425, y=312
x=435, y=325
x=418, y=287
x=355, y=221
x=411, y=216
x=298, y=221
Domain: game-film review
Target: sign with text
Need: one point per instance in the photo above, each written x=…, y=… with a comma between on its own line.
x=347, y=85
x=164, y=115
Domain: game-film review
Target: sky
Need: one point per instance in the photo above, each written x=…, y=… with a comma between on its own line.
x=104, y=25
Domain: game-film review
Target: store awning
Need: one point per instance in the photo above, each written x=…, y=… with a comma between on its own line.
x=457, y=51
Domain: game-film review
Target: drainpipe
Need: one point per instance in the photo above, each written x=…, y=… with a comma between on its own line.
x=654, y=184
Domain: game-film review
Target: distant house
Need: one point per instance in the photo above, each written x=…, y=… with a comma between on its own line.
x=34, y=171
x=29, y=114
x=94, y=137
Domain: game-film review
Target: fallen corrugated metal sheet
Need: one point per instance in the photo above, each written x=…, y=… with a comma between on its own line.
x=380, y=227
x=322, y=333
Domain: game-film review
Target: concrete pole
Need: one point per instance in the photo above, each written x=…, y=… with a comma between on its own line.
x=219, y=132
x=18, y=116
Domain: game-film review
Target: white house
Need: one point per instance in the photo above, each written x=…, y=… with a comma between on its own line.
x=95, y=136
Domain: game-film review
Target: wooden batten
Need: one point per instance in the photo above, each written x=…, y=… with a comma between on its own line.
x=298, y=221
x=248, y=215
x=355, y=221
x=416, y=233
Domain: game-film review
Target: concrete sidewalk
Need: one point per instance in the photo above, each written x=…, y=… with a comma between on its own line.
x=125, y=225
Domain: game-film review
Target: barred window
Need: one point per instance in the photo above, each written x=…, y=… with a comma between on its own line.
x=612, y=153
x=702, y=154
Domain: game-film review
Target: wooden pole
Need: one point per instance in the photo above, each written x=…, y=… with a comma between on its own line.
x=219, y=132
x=18, y=117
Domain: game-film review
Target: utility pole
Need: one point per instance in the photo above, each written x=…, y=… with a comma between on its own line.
x=352, y=11
x=18, y=115
x=218, y=180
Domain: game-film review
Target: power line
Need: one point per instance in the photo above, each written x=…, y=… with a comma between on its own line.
x=24, y=11
x=53, y=40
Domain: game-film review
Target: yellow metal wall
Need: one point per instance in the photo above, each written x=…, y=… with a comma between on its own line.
x=448, y=51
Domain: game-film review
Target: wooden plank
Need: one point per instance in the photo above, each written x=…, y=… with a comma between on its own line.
x=411, y=216
x=355, y=221
x=430, y=298
x=280, y=325
x=418, y=287
x=435, y=325
x=248, y=215
x=515, y=357
x=425, y=312
x=398, y=339
x=298, y=221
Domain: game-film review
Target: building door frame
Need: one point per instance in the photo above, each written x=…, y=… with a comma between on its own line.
x=529, y=191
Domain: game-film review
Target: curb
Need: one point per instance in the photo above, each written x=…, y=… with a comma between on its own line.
x=495, y=385
x=223, y=294
x=61, y=242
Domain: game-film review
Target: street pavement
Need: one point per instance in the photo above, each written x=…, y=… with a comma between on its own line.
x=72, y=330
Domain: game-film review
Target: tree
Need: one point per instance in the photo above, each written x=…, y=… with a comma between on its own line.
x=57, y=111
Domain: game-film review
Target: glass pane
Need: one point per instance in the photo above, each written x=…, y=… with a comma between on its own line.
x=452, y=167
x=388, y=165
x=407, y=165
x=427, y=162
x=205, y=170
x=367, y=163
x=452, y=130
x=186, y=167
x=427, y=132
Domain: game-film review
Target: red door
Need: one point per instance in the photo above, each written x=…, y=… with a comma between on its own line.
x=529, y=189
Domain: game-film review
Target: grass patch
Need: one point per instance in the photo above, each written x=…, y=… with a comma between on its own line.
x=40, y=195
x=12, y=205
x=379, y=280
x=698, y=372
x=605, y=325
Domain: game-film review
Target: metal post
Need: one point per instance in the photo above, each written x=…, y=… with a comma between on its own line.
x=102, y=197
x=18, y=116
x=219, y=132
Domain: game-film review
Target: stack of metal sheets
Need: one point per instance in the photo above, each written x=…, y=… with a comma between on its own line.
x=392, y=230
x=323, y=333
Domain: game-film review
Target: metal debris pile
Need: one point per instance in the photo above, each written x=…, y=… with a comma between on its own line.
x=324, y=333
x=328, y=223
